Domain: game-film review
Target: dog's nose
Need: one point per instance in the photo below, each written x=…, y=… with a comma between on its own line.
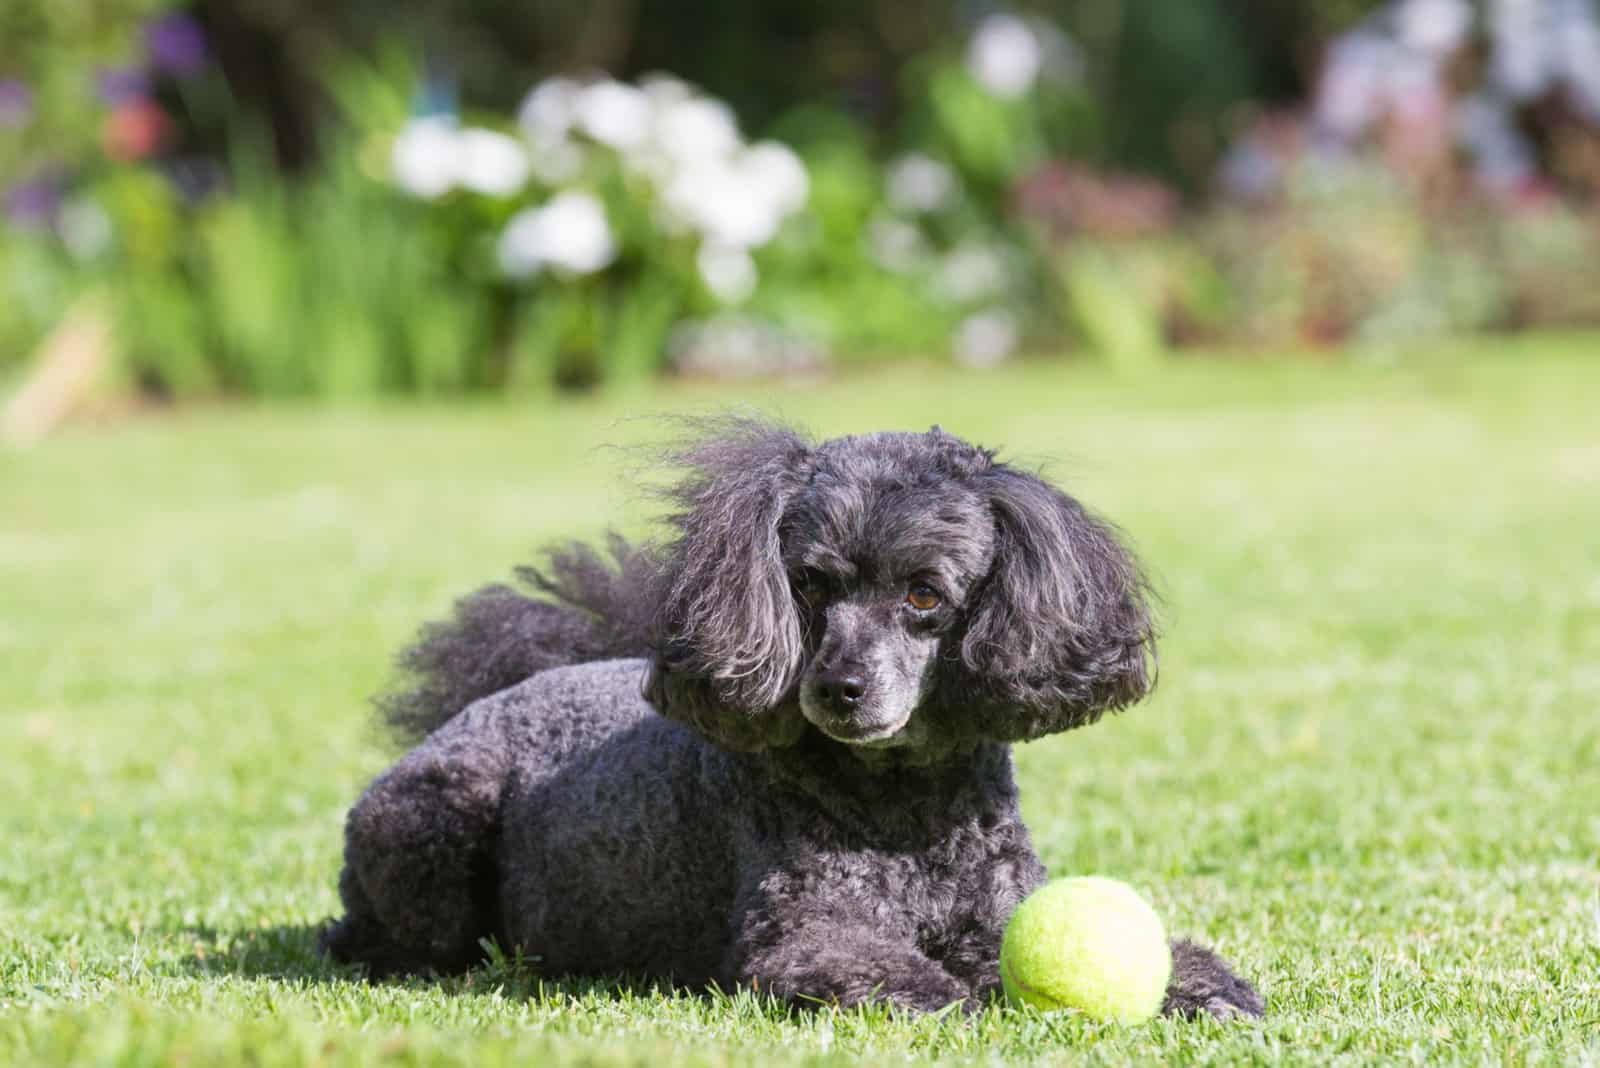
x=842, y=687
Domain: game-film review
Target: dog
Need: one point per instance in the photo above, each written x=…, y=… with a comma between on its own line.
x=773, y=751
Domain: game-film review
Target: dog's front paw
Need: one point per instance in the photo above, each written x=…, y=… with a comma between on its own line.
x=1203, y=982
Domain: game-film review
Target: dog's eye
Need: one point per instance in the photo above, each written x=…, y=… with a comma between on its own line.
x=922, y=597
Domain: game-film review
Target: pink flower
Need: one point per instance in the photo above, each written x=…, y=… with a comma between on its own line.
x=134, y=131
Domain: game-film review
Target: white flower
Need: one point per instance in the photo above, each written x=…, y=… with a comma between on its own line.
x=1434, y=26
x=1060, y=57
x=984, y=339
x=423, y=159
x=729, y=272
x=1415, y=85
x=665, y=89
x=738, y=201
x=1517, y=51
x=894, y=244
x=775, y=169
x=614, y=114
x=1580, y=48
x=720, y=202
x=85, y=229
x=521, y=249
x=569, y=233
x=555, y=161
x=1350, y=96
x=490, y=163
x=548, y=111
x=918, y=183
x=971, y=272
x=729, y=345
x=650, y=157
x=1005, y=56
x=697, y=129
x=546, y=117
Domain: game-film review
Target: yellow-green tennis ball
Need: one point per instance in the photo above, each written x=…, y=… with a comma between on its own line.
x=1090, y=944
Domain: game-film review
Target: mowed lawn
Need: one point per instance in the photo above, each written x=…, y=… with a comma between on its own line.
x=1370, y=774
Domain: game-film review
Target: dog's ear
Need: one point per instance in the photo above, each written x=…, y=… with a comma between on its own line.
x=728, y=641
x=1061, y=631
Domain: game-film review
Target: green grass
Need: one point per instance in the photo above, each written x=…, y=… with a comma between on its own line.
x=1371, y=774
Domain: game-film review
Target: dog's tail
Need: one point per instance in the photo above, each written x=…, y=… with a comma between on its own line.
x=582, y=607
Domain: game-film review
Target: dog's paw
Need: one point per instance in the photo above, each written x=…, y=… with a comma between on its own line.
x=351, y=943
x=1203, y=982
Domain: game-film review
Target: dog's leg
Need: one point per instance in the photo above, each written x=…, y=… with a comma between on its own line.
x=419, y=885
x=990, y=894
x=974, y=957
x=360, y=937
x=1203, y=982
x=809, y=942
x=847, y=965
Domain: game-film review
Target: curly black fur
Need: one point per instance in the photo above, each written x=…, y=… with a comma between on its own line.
x=774, y=751
x=498, y=636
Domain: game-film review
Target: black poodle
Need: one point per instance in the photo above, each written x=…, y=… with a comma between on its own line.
x=773, y=752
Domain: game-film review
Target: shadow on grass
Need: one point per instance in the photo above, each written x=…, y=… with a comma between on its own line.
x=291, y=952
x=287, y=951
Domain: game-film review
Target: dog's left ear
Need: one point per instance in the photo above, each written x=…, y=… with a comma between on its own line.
x=1062, y=630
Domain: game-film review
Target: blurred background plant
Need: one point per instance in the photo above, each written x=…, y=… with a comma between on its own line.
x=286, y=198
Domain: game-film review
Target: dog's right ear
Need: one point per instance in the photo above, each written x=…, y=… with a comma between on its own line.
x=728, y=641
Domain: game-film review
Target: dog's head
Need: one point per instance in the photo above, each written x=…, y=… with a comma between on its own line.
x=891, y=590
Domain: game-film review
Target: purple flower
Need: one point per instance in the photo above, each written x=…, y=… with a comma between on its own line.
x=119, y=85
x=1249, y=173
x=16, y=104
x=177, y=45
x=195, y=177
x=33, y=205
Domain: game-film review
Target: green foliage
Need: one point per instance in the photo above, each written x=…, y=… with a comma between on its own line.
x=344, y=279
x=1115, y=312
x=593, y=332
x=330, y=288
x=823, y=277
x=36, y=288
x=988, y=138
x=57, y=49
x=1362, y=776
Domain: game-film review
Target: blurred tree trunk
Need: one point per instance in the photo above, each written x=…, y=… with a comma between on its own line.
x=269, y=73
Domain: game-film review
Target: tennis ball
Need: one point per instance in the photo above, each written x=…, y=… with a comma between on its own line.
x=1091, y=944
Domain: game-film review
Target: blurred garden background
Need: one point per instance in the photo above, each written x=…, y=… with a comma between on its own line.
x=354, y=198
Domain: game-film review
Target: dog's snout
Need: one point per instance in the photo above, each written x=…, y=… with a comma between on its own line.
x=843, y=687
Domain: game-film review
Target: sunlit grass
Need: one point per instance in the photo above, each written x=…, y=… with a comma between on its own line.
x=1371, y=773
